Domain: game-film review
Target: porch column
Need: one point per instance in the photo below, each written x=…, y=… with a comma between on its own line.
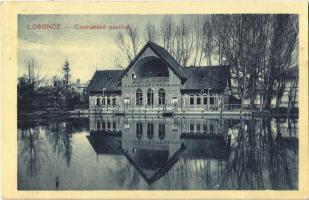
x=155, y=98
x=105, y=99
x=90, y=102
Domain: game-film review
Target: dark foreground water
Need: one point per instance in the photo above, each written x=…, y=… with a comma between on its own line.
x=151, y=152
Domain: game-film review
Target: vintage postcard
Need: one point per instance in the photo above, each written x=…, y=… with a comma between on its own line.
x=155, y=100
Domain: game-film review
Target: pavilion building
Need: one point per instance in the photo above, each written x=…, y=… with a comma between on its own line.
x=154, y=82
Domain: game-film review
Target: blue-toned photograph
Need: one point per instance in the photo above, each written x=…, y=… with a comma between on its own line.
x=158, y=102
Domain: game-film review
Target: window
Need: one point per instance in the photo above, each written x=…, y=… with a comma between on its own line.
x=191, y=128
x=108, y=125
x=103, y=125
x=150, y=132
x=198, y=100
x=103, y=101
x=203, y=75
x=161, y=95
x=211, y=128
x=149, y=97
x=114, y=125
x=108, y=101
x=139, y=130
x=191, y=100
x=161, y=131
x=204, y=128
x=98, y=125
x=205, y=101
x=98, y=102
x=114, y=101
x=198, y=128
x=212, y=100
x=139, y=97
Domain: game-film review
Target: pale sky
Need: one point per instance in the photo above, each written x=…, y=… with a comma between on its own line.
x=86, y=50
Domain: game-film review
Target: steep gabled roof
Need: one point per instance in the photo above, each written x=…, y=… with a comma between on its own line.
x=108, y=79
x=164, y=55
x=212, y=77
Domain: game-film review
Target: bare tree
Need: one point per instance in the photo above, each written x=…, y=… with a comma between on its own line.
x=150, y=32
x=292, y=94
x=129, y=42
x=207, y=39
x=198, y=41
x=33, y=78
x=167, y=32
x=259, y=49
x=119, y=62
x=230, y=31
x=282, y=50
x=183, y=42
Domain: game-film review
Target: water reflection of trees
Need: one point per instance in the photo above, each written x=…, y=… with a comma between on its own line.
x=60, y=137
x=258, y=157
x=32, y=150
x=124, y=174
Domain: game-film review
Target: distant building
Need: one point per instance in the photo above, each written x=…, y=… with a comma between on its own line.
x=48, y=98
x=289, y=97
x=80, y=89
x=155, y=82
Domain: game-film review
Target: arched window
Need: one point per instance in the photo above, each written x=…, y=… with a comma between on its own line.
x=149, y=97
x=161, y=95
x=139, y=97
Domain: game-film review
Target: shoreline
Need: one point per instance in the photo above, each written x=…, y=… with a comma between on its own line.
x=224, y=114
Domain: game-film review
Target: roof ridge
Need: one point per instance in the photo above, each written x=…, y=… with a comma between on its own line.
x=105, y=70
x=205, y=66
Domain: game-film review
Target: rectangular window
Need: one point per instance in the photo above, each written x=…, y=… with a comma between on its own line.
x=108, y=125
x=191, y=128
x=191, y=100
x=98, y=125
x=114, y=125
x=198, y=100
x=103, y=101
x=98, y=102
x=205, y=101
x=205, y=128
x=114, y=101
x=108, y=101
x=211, y=128
x=103, y=125
x=198, y=128
x=212, y=100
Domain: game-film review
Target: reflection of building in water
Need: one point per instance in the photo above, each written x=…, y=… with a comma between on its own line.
x=153, y=145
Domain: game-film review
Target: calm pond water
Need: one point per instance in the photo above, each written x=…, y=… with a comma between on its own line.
x=101, y=152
